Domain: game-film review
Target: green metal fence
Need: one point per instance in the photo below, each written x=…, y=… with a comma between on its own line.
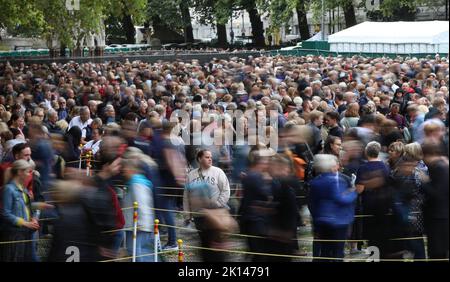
x=45, y=52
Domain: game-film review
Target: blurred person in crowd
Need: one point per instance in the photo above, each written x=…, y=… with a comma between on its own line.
x=102, y=202
x=332, y=206
x=398, y=118
x=407, y=180
x=436, y=201
x=383, y=107
x=109, y=115
x=256, y=203
x=351, y=159
x=395, y=152
x=42, y=153
x=400, y=99
x=372, y=183
x=333, y=146
x=78, y=224
x=283, y=222
x=416, y=118
x=95, y=124
x=332, y=123
x=172, y=166
x=439, y=106
x=72, y=154
x=389, y=133
x=51, y=123
x=351, y=117
x=17, y=122
x=139, y=190
x=435, y=131
x=316, y=121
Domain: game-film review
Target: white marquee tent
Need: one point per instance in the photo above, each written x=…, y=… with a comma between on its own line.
x=393, y=37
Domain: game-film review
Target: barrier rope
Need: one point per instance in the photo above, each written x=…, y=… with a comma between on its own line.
x=229, y=234
x=82, y=159
x=305, y=257
x=21, y=241
x=247, y=253
x=237, y=215
x=301, y=239
x=130, y=257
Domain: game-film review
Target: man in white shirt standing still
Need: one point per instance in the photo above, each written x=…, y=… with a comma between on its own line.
x=207, y=188
x=82, y=121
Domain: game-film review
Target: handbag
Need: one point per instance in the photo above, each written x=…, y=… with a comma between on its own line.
x=219, y=220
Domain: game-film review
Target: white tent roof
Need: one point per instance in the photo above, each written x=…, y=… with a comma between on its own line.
x=430, y=32
x=317, y=37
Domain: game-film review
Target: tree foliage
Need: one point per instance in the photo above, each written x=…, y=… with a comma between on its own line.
x=51, y=19
x=395, y=10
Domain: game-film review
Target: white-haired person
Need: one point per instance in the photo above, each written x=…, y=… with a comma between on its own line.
x=332, y=206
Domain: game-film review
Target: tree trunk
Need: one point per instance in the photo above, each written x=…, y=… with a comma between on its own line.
x=349, y=14
x=130, y=32
x=188, y=31
x=257, y=27
x=222, y=35
x=62, y=52
x=303, y=21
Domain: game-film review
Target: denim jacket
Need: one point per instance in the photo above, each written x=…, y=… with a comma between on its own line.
x=13, y=207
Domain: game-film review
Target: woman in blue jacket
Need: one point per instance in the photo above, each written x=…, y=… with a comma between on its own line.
x=17, y=222
x=332, y=206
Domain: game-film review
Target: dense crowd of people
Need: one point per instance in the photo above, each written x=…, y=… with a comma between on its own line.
x=238, y=144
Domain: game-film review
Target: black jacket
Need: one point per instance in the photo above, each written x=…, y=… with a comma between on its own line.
x=256, y=194
x=82, y=220
x=436, y=191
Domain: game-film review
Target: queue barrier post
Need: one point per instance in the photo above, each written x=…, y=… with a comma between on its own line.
x=135, y=221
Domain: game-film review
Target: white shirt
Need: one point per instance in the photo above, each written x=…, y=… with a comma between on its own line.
x=218, y=183
x=93, y=145
x=76, y=121
x=48, y=103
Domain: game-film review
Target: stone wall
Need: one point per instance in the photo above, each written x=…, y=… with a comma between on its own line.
x=34, y=43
